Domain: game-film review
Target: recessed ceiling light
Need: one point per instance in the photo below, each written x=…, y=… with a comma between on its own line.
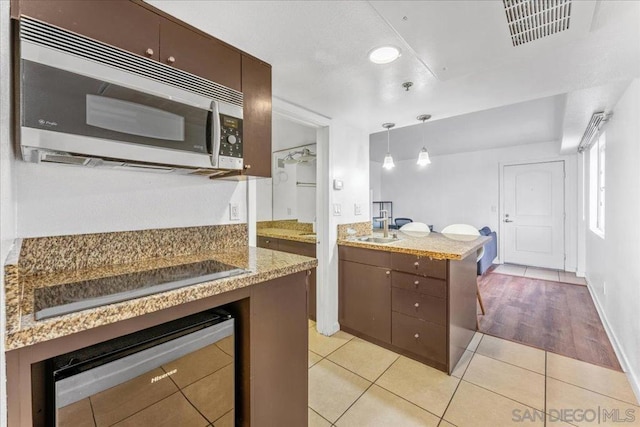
x=384, y=54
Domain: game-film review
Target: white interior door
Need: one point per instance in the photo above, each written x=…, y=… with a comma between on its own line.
x=533, y=214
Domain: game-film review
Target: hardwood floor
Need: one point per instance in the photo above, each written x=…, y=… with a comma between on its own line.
x=557, y=317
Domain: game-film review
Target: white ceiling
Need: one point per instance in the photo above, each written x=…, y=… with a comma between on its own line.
x=458, y=54
x=524, y=123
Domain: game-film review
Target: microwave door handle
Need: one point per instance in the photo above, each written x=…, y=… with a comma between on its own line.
x=214, y=144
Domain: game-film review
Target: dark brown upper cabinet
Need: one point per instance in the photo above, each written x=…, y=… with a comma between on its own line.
x=256, y=86
x=189, y=51
x=146, y=31
x=120, y=23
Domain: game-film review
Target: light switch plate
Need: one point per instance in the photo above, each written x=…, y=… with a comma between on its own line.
x=337, y=209
x=234, y=212
x=338, y=184
x=357, y=209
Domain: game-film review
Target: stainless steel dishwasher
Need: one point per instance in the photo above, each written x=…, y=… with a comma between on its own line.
x=179, y=373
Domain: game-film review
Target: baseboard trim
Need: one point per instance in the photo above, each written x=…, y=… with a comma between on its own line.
x=633, y=377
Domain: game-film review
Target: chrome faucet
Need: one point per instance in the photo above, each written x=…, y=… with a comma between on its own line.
x=385, y=222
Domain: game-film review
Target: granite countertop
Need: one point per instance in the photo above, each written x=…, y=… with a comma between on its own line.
x=433, y=245
x=22, y=329
x=287, y=234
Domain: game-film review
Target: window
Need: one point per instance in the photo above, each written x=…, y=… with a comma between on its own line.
x=597, y=185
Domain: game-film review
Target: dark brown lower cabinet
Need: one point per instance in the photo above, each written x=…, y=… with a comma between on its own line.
x=271, y=354
x=365, y=297
x=416, y=306
x=299, y=248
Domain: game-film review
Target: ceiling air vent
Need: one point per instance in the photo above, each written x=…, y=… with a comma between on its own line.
x=531, y=20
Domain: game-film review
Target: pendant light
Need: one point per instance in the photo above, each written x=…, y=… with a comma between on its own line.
x=423, y=157
x=388, y=160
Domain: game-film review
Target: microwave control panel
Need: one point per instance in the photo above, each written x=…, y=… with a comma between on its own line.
x=231, y=142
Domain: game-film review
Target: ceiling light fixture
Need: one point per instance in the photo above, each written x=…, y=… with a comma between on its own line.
x=384, y=54
x=388, y=160
x=423, y=157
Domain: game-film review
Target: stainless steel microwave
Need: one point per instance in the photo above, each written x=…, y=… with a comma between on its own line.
x=86, y=103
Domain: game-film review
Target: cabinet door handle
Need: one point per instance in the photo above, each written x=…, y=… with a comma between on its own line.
x=267, y=241
x=149, y=52
x=247, y=166
x=417, y=264
x=387, y=272
x=416, y=305
x=171, y=60
x=416, y=336
x=417, y=282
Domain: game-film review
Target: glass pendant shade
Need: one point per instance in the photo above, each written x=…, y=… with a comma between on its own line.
x=388, y=162
x=423, y=157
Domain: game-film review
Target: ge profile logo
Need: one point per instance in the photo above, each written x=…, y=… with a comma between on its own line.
x=43, y=122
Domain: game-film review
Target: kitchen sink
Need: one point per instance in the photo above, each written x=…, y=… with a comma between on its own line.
x=373, y=239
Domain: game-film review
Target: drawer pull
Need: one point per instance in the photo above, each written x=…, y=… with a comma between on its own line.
x=171, y=60
x=267, y=241
x=417, y=264
x=416, y=305
x=417, y=282
x=149, y=52
x=388, y=272
x=416, y=336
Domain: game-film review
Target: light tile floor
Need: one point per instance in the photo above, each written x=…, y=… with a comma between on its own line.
x=353, y=383
x=539, y=273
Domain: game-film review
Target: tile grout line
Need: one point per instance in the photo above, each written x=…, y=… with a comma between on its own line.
x=596, y=392
x=460, y=382
x=383, y=388
x=508, y=363
x=318, y=414
x=545, y=389
x=501, y=395
x=398, y=396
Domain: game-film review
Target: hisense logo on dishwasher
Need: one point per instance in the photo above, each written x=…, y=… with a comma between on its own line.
x=163, y=376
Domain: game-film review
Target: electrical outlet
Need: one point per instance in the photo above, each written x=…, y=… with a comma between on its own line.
x=234, y=212
x=357, y=209
x=337, y=209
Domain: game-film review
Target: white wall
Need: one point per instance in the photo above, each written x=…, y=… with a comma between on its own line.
x=464, y=188
x=375, y=180
x=286, y=133
x=264, y=199
x=7, y=185
x=58, y=199
x=612, y=267
x=349, y=162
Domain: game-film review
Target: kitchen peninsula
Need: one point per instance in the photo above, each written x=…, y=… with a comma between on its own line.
x=267, y=300
x=415, y=295
x=293, y=237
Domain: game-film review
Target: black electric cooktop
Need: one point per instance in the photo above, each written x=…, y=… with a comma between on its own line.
x=67, y=298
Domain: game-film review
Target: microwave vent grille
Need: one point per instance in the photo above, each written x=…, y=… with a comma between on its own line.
x=42, y=34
